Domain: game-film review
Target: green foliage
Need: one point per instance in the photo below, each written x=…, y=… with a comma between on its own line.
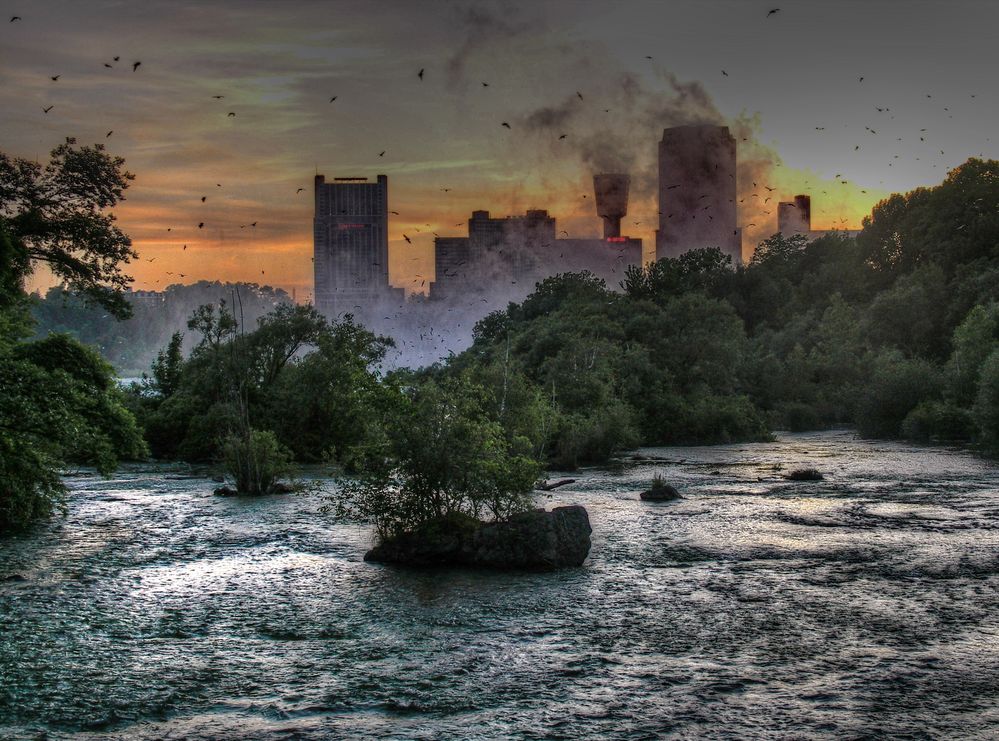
x=974, y=340
x=255, y=460
x=937, y=421
x=986, y=409
x=57, y=215
x=311, y=383
x=896, y=386
x=59, y=402
x=443, y=456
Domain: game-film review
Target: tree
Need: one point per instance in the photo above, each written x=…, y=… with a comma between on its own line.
x=57, y=215
x=59, y=402
x=168, y=366
x=442, y=459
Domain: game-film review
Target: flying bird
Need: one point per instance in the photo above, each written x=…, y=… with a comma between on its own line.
x=14, y=18
x=231, y=114
x=185, y=246
x=773, y=12
x=579, y=95
x=505, y=124
x=485, y=84
x=46, y=110
x=201, y=225
x=725, y=73
x=109, y=66
x=253, y=224
x=382, y=153
x=420, y=73
x=218, y=97
x=203, y=198
x=562, y=137
x=107, y=135
x=135, y=65
x=333, y=98
x=55, y=78
x=299, y=191
x=394, y=212
x=410, y=241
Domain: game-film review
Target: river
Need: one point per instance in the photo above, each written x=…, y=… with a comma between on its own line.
x=866, y=604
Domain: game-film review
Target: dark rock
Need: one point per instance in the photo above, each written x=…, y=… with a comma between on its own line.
x=15, y=577
x=226, y=491
x=536, y=541
x=660, y=493
x=804, y=474
x=281, y=487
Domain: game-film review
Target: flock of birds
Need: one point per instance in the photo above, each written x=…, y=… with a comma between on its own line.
x=765, y=197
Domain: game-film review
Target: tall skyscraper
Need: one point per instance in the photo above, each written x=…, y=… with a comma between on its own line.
x=697, y=192
x=350, y=234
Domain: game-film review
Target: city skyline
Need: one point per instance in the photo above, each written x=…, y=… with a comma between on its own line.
x=330, y=88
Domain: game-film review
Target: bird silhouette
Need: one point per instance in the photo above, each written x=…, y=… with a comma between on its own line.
x=485, y=84
x=725, y=73
x=185, y=247
x=579, y=95
x=562, y=137
x=218, y=97
x=394, y=212
x=420, y=73
x=107, y=135
x=46, y=110
x=253, y=224
x=773, y=12
x=231, y=114
x=505, y=124
x=203, y=198
x=136, y=65
x=109, y=66
x=55, y=78
x=201, y=225
x=382, y=153
x=333, y=98
x=116, y=58
x=299, y=191
x=14, y=18
x=408, y=240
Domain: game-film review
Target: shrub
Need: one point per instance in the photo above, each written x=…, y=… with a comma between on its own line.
x=256, y=460
x=986, y=410
x=935, y=420
x=442, y=457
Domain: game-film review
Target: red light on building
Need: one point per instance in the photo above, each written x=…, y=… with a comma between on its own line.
x=617, y=239
x=350, y=226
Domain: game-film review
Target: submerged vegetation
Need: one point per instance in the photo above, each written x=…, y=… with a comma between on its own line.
x=895, y=332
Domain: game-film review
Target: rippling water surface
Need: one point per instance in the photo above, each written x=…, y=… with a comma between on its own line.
x=865, y=604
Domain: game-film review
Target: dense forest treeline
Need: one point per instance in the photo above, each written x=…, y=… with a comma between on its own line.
x=895, y=332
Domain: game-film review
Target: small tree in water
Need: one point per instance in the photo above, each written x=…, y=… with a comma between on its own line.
x=256, y=460
x=441, y=459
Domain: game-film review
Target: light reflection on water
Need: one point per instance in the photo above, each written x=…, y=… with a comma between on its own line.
x=864, y=604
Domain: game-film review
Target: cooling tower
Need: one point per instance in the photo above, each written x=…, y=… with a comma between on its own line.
x=612, y=201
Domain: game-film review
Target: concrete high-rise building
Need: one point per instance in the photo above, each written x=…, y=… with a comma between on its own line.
x=697, y=192
x=350, y=234
x=795, y=217
x=496, y=254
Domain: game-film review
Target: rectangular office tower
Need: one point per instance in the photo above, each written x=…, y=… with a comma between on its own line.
x=697, y=192
x=350, y=234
